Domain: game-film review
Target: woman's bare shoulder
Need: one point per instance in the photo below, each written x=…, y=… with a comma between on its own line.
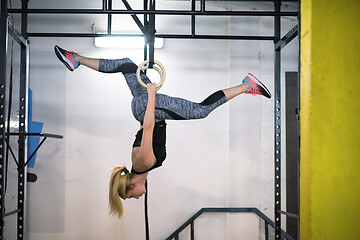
x=142, y=160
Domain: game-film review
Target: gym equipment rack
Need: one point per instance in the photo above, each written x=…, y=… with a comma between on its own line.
x=148, y=31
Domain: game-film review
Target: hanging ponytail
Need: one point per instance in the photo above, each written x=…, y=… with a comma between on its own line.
x=118, y=187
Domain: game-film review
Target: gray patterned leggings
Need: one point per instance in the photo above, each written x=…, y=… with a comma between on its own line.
x=166, y=107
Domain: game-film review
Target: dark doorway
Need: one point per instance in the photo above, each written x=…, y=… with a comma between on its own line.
x=292, y=151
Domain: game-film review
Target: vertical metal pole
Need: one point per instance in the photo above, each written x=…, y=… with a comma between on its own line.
x=202, y=2
x=109, y=17
x=146, y=22
x=277, y=113
x=151, y=30
x=192, y=231
x=266, y=231
x=193, y=18
x=3, y=41
x=22, y=127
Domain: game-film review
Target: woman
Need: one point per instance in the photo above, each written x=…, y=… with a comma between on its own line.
x=151, y=109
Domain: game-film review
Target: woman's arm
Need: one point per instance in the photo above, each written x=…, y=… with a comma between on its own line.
x=145, y=158
x=149, y=119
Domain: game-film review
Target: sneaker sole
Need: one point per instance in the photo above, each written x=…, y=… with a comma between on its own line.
x=260, y=83
x=63, y=59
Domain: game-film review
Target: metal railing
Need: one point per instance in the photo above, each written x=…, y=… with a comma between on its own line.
x=191, y=220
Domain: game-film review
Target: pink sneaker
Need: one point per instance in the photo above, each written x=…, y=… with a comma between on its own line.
x=67, y=57
x=255, y=86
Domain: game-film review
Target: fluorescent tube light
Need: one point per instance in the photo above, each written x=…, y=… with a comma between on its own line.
x=125, y=42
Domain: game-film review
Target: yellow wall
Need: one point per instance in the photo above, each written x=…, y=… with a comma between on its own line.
x=330, y=123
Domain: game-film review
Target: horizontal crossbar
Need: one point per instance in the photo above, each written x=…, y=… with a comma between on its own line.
x=156, y=12
x=174, y=36
x=38, y=134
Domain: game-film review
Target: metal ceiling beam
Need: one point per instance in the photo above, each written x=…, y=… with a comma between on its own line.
x=157, y=12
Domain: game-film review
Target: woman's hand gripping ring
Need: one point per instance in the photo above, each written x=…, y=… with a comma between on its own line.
x=160, y=70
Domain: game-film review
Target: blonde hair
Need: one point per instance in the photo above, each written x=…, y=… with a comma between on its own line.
x=118, y=188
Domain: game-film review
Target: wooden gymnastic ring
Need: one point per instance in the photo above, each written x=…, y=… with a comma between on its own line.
x=160, y=70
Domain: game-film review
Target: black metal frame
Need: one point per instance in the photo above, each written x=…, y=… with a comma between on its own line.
x=20, y=38
x=6, y=29
x=148, y=28
x=44, y=135
x=277, y=128
x=149, y=32
x=3, y=39
x=191, y=221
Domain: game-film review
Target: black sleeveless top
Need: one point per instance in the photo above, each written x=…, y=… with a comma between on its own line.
x=159, y=145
